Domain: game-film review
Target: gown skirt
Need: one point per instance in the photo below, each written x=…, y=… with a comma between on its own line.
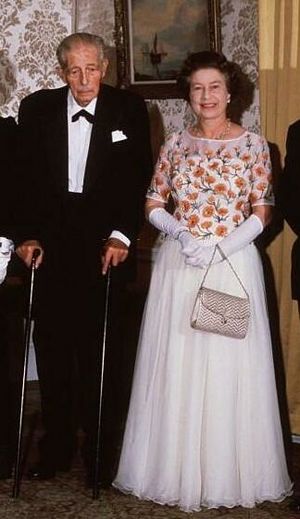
x=203, y=428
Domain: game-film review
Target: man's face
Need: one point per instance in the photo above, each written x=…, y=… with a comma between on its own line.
x=84, y=72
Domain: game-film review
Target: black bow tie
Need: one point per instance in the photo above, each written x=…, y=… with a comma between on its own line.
x=83, y=113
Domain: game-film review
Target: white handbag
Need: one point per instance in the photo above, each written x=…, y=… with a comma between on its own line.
x=220, y=312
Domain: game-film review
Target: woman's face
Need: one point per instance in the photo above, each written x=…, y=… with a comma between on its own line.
x=208, y=94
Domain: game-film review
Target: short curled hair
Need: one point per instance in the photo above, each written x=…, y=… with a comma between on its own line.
x=78, y=38
x=237, y=82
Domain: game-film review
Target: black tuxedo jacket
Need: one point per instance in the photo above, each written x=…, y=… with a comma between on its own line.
x=116, y=174
x=289, y=197
x=8, y=145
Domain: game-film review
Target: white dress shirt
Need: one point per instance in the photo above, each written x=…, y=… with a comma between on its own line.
x=79, y=136
x=79, y=140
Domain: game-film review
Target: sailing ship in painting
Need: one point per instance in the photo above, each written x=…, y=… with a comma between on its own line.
x=156, y=56
x=153, y=57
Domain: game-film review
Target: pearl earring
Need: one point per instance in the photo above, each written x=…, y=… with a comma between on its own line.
x=228, y=99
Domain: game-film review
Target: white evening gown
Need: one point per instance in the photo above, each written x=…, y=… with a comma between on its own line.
x=203, y=427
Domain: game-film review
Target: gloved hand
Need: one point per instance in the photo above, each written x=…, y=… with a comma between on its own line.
x=189, y=244
x=6, y=248
x=235, y=241
x=166, y=223
x=202, y=256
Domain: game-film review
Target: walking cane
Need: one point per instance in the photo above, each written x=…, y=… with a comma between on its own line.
x=17, y=473
x=97, y=456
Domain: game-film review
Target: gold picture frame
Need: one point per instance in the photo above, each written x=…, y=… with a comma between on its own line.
x=152, y=40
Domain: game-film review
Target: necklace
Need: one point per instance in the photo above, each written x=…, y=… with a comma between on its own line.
x=219, y=136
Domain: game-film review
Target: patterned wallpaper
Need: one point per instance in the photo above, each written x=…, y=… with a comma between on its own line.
x=96, y=16
x=240, y=44
x=31, y=29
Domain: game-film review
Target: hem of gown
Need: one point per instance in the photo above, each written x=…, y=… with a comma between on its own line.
x=206, y=504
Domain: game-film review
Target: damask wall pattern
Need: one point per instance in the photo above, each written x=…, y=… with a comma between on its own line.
x=30, y=31
x=240, y=44
x=96, y=16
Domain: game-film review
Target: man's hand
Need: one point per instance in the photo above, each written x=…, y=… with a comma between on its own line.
x=114, y=252
x=25, y=252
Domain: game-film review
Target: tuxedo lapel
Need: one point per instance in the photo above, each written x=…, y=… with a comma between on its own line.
x=58, y=140
x=101, y=140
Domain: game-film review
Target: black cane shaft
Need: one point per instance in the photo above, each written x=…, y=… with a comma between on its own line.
x=17, y=473
x=97, y=455
x=16, y=488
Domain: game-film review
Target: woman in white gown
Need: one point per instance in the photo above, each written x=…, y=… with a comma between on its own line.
x=203, y=428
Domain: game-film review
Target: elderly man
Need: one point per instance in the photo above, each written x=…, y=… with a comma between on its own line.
x=87, y=156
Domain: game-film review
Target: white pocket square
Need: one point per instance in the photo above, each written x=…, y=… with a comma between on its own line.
x=118, y=135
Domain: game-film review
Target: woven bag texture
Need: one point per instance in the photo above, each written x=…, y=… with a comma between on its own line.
x=221, y=313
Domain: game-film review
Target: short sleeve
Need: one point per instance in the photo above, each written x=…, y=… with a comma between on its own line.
x=261, y=176
x=160, y=186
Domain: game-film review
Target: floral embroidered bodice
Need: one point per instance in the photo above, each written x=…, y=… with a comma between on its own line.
x=213, y=183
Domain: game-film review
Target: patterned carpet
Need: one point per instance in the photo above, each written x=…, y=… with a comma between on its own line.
x=66, y=495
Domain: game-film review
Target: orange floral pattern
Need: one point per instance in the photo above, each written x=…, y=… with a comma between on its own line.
x=214, y=183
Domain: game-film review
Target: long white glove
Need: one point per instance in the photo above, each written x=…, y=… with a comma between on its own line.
x=165, y=222
x=235, y=241
x=6, y=248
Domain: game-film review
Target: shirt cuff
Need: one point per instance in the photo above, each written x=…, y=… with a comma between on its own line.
x=120, y=236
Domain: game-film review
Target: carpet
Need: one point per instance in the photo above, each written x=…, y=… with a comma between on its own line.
x=66, y=495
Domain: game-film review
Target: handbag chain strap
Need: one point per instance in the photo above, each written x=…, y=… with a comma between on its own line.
x=217, y=247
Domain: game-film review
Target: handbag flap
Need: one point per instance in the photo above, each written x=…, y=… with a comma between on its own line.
x=221, y=303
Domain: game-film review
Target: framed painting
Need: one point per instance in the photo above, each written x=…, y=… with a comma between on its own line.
x=153, y=37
